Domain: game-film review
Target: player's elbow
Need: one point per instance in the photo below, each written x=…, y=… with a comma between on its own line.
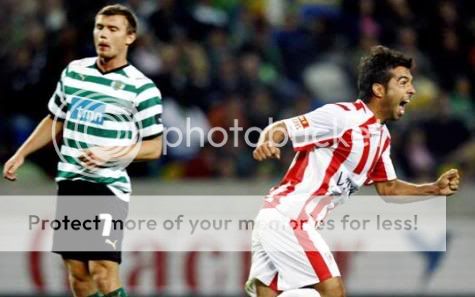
x=155, y=148
x=386, y=188
x=158, y=149
x=156, y=153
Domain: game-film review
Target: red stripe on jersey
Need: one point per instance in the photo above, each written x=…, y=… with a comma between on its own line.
x=366, y=147
x=359, y=105
x=340, y=154
x=314, y=257
x=273, y=283
x=378, y=155
x=342, y=106
x=379, y=173
x=377, y=170
x=295, y=175
x=322, y=143
x=370, y=121
x=292, y=178
x=320, y=205
x=366, y=141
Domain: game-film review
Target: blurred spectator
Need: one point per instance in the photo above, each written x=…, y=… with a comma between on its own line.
x=462, y=103
x=420, y=161
x=444, y=132
x=219, y=60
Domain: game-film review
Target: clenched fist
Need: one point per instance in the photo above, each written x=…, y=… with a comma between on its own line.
x=266, y=150
x=448, y=182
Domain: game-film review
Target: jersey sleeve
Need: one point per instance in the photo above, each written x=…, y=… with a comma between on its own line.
x=57, y=105
x=383, y=170
x=148, y=115
x=320, y=127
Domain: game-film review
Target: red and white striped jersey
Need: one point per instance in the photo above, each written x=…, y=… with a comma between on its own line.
x=340, y=147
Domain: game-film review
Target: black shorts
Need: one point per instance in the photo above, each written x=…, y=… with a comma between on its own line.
x=83, y=208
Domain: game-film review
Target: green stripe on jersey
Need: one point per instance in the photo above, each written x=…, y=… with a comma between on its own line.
x=148, y=122
x=102, y=180
x=76, y=143
x=100, y=81
x=149, y=103
x=97, y=96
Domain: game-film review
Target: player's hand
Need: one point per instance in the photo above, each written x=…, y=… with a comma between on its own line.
x=448, y=182
x=96, y=157
x=11, y=166
x=266, y=150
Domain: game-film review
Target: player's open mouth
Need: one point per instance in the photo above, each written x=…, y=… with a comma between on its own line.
x=402, y=105
x=404, y=102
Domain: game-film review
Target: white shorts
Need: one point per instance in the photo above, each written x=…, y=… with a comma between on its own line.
x=288, y=254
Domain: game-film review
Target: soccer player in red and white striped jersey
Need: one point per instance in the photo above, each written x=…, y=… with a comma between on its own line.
x=339, y=148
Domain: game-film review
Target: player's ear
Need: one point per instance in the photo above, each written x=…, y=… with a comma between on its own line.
x=378, y=90
x=130, y=38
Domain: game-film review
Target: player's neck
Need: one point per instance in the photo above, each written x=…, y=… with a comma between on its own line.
x=376, y=110
x=106, y=65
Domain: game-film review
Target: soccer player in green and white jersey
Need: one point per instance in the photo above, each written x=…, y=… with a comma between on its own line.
x=108, y=114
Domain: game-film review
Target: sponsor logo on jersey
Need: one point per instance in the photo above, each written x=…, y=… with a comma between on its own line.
x=303, y=120
x=300, y=122
x=87, y=111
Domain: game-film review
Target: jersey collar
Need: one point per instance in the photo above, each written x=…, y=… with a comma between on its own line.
x=117, y=69
x=359, y=104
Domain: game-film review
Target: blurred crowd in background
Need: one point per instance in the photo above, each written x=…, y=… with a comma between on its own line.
x=216, y=61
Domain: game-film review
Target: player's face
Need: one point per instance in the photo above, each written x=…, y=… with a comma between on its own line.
x=399, y=92
x=111, y=38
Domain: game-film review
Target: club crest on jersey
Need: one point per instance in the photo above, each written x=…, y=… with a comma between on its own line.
x=117, y=85
x=87, y=111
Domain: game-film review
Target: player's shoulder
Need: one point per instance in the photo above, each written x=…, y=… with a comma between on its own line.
x=142, y=83
x=342, y=110
x=136, y=75
x=139, y=79
x=345, y=114
x=356, y=111
x=82, y=63
x=345, y=107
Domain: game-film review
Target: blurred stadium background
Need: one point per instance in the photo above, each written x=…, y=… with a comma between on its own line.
x=219, y=60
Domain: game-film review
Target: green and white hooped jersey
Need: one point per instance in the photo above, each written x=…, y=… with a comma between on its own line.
x=115, y=109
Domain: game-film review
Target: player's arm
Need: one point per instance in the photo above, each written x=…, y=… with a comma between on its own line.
x=447, y=184
x=150, y=149
x=146, y=150
x=44, y=133
x=269, y=141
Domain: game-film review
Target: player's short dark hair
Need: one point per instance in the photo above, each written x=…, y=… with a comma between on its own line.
x=376, y=67
x=119, y=9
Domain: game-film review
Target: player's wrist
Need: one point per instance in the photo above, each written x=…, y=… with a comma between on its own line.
x=20, y=155
x=433, y=188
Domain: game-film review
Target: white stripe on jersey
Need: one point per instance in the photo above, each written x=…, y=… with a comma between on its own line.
x=96, y=140
x=97, y=172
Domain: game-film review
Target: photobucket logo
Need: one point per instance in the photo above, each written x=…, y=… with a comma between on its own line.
x=99, y=134
x=237, y=136
x=217, y=137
